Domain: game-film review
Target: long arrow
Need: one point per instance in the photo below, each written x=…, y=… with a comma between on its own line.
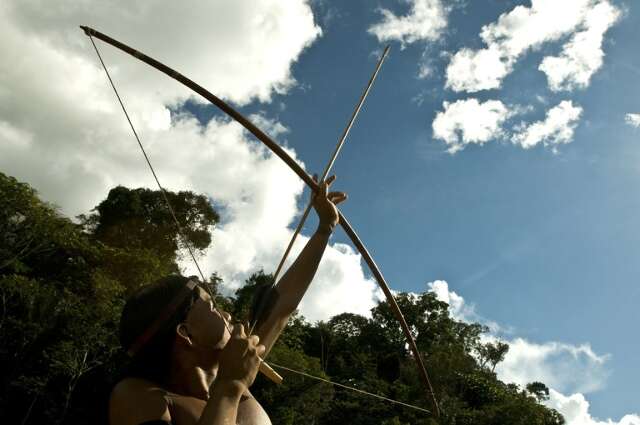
x=325, y=173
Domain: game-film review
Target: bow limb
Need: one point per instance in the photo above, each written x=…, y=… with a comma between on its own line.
x=296, y=168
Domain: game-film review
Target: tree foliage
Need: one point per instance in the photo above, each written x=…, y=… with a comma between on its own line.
x=63, y=285
x=140, y=231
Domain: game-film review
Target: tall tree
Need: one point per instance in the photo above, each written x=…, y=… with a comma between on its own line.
x=138, y=225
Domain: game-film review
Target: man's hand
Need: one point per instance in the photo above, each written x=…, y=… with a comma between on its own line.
x=324, y=202
x=240, y=360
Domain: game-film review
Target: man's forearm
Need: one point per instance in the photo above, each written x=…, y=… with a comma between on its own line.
x=295, y=282
x=292, y=287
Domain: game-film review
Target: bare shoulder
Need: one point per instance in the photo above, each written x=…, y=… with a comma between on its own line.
x=134, y=401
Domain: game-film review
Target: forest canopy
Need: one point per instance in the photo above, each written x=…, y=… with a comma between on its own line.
x=63, y=284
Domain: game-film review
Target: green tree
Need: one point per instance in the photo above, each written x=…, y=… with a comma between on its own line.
x=139, y=230
x=539, y=390
x=140, y=218
x=62, y=287
x=24, y=220
x=492, y=353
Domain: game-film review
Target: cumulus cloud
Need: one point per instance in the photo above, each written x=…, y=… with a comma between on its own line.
x=241, y=50
x=426, y=21
x=340, y=285
x=62, y=131
x=557, y=128
x=582, y=56
x=631, y=119
x=565, y=368
x=459, y=309
x=525, y=28
x=575, y=409
x=59, y=114
x=475, y=70
x=469, y=121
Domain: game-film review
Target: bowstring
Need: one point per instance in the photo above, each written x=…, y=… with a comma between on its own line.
x=358, y=390
x=181, y=233
x=193, y=257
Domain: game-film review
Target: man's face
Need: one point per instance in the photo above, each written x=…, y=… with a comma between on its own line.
x=207, y=326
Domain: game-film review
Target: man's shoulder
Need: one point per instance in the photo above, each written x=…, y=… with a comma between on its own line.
x=134, y=401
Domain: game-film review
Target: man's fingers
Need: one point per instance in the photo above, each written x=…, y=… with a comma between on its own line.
x=331, y=179
x=238, y=330
x=324, y=189
x=256, y=350
x=332, y=195
x=254, y=340
x=340, y=199
x=337, y=197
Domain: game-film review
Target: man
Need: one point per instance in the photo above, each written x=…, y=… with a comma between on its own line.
x=190, y=365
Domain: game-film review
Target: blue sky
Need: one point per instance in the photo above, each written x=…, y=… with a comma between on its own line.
x=542, y=241
x=546, y=243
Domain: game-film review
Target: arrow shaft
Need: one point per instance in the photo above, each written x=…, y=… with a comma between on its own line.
x=329, y=165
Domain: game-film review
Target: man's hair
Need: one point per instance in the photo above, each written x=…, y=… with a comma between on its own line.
x=153, y=360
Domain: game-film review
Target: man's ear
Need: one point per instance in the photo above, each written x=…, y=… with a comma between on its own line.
x=182, y=332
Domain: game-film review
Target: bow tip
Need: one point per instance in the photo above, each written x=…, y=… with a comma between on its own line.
x=86, y=29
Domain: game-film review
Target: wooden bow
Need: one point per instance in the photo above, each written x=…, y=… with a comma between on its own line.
x=278, y=151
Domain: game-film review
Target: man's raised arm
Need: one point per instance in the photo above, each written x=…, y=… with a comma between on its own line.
x=295, y=282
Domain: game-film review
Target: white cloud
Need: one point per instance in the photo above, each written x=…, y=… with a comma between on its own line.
x=475, y=70
x=459, y=309
x=469, y=121
x=241, y=50
x=525, y=28
x=426, y=21
x=58, y=115
x=582, y=56
x=62, y=131
x=425, y=70
x=565, y=368
x=340, y=286
x=633, y=120
x=557, y=128
x=575, y=409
